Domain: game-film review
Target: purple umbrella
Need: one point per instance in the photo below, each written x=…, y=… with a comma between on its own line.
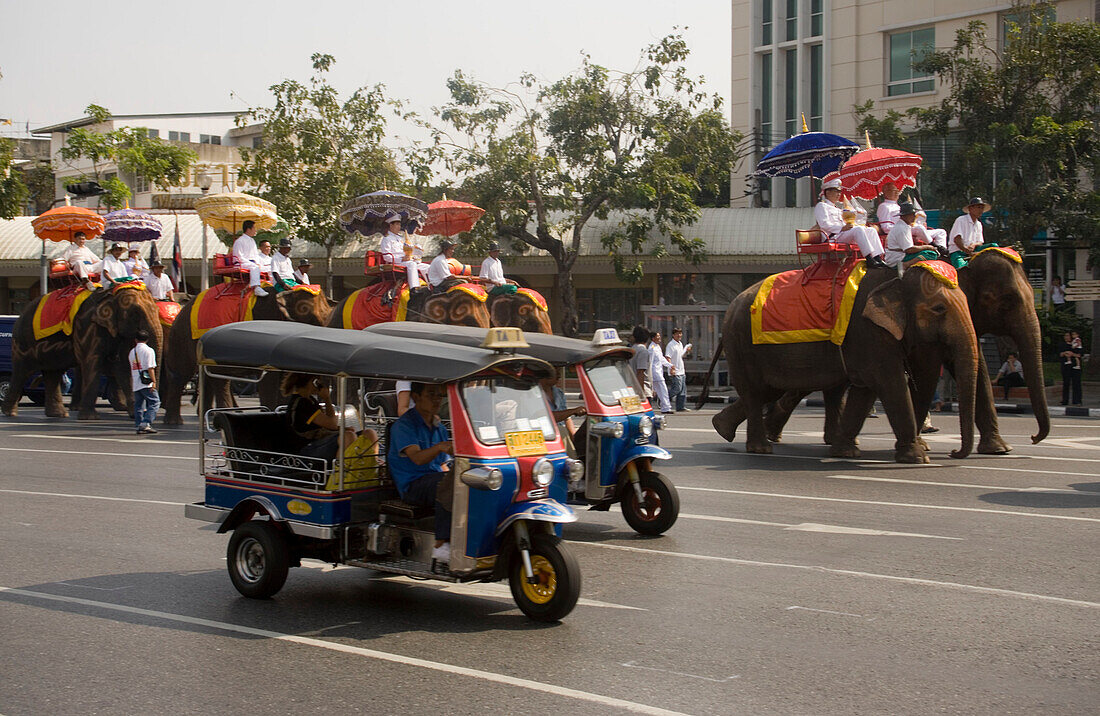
x=129, y=225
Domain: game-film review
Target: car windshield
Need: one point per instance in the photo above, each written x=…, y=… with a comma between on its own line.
x=501, y=405
x=613, y=380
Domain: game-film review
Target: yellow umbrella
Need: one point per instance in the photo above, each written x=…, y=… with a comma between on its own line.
x=229, y=210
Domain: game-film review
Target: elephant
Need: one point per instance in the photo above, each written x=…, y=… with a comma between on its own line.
x=519, y=310
x=455, y=308
x=103, y=331
x=891, y=318
x=181, y=360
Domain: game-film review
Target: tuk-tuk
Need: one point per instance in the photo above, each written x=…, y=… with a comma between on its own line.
x=617, y=441
x=509, y=470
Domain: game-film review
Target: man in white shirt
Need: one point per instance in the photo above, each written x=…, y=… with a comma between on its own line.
x=143, y=361
x=114, y=269
x=135, y=264
x=282, y=268
x=966, y=233
x=677, y=386
x=158, y=283
x=397, y=251
x=830, y=219
x=301, y=274
x=641, y=361
x=440, y=268
x=658, y=365
x=902, y=245
x=82, y=262
x=492, y=270
x=247, y=256
x=887, y=211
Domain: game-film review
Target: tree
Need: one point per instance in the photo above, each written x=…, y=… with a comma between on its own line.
x=544, y=158
x=13, y=193
x=130, y=148
x=317, y=152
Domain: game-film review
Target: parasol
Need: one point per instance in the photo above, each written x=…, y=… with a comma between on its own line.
x=61, y=223
x=812, y=154
x=129, y=225
x=864, y=174
x=448, y=217
x=229, y=210
x=365, y=214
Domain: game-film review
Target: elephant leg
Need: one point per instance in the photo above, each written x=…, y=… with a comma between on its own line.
x=270, y=395
x=779, y=412
x=985, y=415
x=898, y=403
x=756, y=438
x=725, y=422
x=834, y=405
x=19, y=375
x=89, y=388
x=55, y=404
x=924, y=377
x=857, y=404
x=171, y=392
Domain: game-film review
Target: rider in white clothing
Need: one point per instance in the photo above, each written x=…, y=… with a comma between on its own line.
x=247, y=256
x=830, y=219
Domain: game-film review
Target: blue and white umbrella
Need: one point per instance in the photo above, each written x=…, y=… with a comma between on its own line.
x=812, y=154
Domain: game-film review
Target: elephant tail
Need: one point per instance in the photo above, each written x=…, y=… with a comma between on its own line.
x=710, y=371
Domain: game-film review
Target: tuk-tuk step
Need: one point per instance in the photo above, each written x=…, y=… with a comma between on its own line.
x=410, y=568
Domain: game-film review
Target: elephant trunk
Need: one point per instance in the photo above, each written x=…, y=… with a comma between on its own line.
x=1028, y=337
x=965, y=355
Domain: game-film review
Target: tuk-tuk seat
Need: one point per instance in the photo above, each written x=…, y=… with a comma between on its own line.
x=257, y=436
x=397, y=508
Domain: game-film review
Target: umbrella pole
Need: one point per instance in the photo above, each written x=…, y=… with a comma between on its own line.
x=45, y=269
x=813, y=194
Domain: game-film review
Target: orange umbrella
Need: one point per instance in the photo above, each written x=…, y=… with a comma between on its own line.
x=447, y=218
x=61, y=223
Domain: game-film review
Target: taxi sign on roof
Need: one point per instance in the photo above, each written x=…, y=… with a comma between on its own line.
x=503, y=338
x=606, y=337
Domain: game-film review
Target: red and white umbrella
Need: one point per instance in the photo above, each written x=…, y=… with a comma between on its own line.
x=869, y=169
x=448, y=217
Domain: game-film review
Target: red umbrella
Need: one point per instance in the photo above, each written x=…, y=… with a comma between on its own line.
x=864, y=174
x=61, y=223
x=447, y=218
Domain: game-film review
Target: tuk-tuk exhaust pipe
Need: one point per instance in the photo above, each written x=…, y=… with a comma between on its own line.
x=523, y=542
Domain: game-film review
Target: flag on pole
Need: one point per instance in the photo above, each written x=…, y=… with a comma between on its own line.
x=176, y=272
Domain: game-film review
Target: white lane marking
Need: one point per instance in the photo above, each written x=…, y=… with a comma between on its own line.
x=93, y=497
x=636, y=665
x=128, y=441
x=1020, y=469
x=815, y=527
x=824, y=611
x=1053, y=490
x=98, y=589
x=1010, y=513
x=851, y=573
x=490, y=590
x=136, y=456
x=490, y=676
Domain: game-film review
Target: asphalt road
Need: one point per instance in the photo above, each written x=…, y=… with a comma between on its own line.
x=792, y=584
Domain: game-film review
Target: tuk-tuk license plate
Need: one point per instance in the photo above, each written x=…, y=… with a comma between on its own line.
x=525, y=442
x=631, y=403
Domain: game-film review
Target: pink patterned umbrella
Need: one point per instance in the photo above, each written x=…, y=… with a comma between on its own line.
x=868, y=170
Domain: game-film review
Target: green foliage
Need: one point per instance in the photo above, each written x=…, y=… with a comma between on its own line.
x=318, y=151
x=130, y=148
x=545, y=158
x=13, y=192
x=40, y=182
x=1025, y=117
x=885, y=132
x=1055, y=323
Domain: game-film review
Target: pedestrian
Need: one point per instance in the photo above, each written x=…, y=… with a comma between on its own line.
x=247, y=255
x=677, y=376
x=1071, y=370
x=1011, y=374
x=143, y=380
x=1057, y=293
x=641, y=361
x=659, y=364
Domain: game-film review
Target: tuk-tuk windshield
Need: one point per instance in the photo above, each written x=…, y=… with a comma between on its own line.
x=613, y=380
x=502, y=405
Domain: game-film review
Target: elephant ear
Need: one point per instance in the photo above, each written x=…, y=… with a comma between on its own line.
x=886, y=308
x=104, y=317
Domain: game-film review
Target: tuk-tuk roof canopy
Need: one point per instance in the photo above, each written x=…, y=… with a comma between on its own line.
x=556, y=350
x=300, y=348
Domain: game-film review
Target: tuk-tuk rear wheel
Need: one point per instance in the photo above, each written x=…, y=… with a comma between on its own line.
x=660, y=506
x=258, y=559
x=559, y=580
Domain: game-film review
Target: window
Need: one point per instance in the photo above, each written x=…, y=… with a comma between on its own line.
x=153, y=133
x=141, y=184
x=1021, y=21
x=209, y=139
x=179, y=136
x=792, y=20
x=257, y=142
x=601, y=307
x=766, y=101
x=766, y=22
x=790, y=112
x=816, y=18
x=816, y=87
x=905, y=49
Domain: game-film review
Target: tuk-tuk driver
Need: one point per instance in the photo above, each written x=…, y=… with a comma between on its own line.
x=419, y=459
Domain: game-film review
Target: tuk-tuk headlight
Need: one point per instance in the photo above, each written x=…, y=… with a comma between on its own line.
x=483, y=478
x=607, y=429
x=645, y=426
x=576, y=469
x=543, y=472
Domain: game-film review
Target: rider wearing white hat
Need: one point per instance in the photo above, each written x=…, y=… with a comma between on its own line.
x=830, y=219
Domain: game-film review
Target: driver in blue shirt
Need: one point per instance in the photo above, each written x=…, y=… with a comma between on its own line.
x=418, y=459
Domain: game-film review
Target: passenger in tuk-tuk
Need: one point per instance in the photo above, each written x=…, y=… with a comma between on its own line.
x=320, y=425
x=563, y=414
x=418, y=458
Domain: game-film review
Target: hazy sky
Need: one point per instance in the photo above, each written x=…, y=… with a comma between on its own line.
x=151, y=56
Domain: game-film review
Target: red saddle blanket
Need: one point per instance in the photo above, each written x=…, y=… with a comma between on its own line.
x=221, y=304
x=535, y=297
x=380, y=302
x=167, y=311
x=57, y=310
x=805, y=305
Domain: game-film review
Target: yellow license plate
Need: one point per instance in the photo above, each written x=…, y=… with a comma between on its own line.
x=525, y=442
x=631, y=403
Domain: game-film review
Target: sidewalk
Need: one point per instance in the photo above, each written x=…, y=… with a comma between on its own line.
x=1090, y=407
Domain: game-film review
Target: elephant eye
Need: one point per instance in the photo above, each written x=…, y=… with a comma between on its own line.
x=939, y=309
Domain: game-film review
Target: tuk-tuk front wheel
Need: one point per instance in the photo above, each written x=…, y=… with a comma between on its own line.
x=258, y=559
x=659, y=507
x=557, y=575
